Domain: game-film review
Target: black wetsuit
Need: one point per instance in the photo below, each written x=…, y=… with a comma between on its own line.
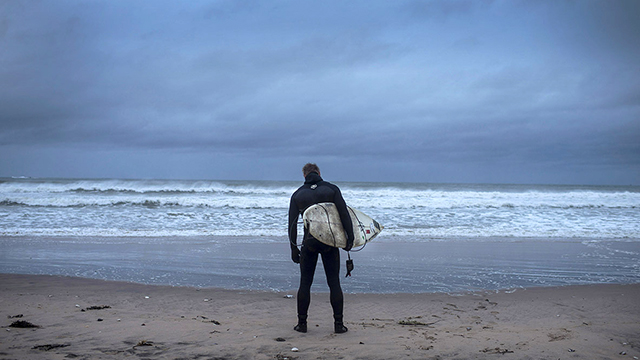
x=315, y=190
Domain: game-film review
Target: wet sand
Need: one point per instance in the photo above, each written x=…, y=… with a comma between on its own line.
x=93, y=319
x=400, y=265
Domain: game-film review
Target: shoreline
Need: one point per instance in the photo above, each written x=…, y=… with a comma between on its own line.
x=318, y=278
x=384, y=267
x=171, y=322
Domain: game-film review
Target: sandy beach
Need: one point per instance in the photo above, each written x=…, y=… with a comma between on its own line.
x=93, y=319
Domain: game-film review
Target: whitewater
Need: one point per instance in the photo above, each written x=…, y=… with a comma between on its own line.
x=258, y=209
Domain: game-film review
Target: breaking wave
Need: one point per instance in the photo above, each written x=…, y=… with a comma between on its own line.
x=72, y=207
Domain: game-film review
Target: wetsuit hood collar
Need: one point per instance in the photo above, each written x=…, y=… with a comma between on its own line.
x=312, y=178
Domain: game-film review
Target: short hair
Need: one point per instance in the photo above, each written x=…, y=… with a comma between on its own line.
x=309, y=168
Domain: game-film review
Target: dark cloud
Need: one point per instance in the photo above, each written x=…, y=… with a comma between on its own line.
x=514, y=91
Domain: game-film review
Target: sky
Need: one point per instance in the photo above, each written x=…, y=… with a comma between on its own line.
x=513, y=91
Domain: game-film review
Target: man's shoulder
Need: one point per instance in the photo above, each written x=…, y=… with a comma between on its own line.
x=297, y=191
x=331, y=185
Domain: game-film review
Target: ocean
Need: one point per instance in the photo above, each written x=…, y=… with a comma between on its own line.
x=232, y=234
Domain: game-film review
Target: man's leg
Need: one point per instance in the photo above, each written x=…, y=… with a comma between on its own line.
x=331, y=263
x=308, y=261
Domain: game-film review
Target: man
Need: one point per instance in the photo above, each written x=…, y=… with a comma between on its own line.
x=315, y=190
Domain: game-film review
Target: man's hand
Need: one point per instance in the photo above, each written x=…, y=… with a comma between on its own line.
x=295, y=255
x=349, y=245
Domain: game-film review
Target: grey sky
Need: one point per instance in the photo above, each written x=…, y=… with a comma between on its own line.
x=434, y=91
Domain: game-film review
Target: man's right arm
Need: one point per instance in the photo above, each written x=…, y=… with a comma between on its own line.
x=294, y=213
x=345, y=218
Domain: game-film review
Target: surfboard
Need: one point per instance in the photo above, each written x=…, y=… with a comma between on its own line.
x=323, y=222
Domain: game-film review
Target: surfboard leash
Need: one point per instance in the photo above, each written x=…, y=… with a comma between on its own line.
x=349, y=265
x=361, y=225
x=328, y=221
x=349, y=261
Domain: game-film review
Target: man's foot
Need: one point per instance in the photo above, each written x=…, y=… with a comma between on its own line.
x=340, y=328
x=301, y=327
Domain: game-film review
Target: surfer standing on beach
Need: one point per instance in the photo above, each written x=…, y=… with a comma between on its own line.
x=314, y=191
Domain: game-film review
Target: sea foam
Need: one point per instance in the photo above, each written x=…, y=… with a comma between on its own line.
x=166, y=208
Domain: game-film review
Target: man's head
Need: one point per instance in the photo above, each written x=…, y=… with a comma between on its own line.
x=309, y=168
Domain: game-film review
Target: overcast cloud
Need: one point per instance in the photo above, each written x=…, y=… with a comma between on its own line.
x=426, y=91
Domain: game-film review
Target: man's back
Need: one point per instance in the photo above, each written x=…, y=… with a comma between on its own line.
x=314, y=191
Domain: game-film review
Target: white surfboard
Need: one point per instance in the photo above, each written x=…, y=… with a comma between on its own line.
x=323, y=222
